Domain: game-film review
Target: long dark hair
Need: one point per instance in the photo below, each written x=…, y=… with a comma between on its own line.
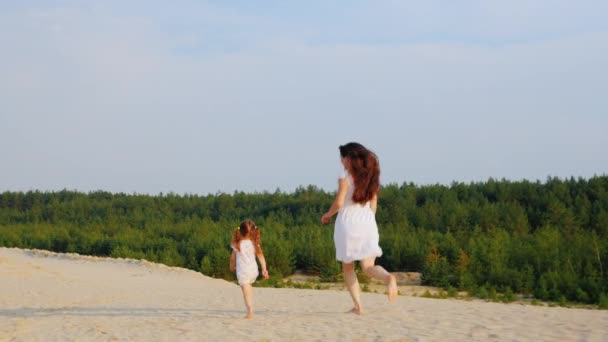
x=365, y=170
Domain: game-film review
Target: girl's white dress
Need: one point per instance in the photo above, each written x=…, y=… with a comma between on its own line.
x=246, y=266
x=356, y=232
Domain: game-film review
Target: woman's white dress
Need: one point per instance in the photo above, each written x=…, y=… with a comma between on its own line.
x=356, y=232
x=246, y=266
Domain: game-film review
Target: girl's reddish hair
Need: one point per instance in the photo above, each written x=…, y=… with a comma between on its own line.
x=247, y=229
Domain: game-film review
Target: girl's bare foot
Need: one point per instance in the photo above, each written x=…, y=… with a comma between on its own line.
x=249, y=315
x=391, y=288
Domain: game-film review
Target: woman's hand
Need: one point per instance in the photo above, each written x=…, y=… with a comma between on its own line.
x=265, y=274
x=325, y=218
x=338, y=202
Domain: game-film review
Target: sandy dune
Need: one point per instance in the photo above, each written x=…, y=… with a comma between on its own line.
x=57, y=297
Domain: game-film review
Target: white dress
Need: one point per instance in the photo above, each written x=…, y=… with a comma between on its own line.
x=246, y=266
x=355, y=232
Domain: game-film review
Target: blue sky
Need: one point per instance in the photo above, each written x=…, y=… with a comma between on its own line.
x=200, y=97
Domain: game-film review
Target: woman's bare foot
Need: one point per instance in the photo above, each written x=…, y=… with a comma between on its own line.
x=357, y=311
x=249, y=315
x=391, y=288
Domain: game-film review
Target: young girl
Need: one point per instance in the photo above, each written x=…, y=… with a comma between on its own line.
x=245, y=247
x=356, y=232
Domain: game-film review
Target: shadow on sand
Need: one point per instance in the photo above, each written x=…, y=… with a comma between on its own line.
x=141, y=312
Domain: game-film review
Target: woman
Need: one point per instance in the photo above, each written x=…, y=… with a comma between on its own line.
x=356, y=232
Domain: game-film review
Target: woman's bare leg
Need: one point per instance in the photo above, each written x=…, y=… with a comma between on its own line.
x=375, y=271
x=352, y=284
x=248, y=297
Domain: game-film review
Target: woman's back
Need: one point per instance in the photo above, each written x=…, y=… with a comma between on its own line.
x=348, y=200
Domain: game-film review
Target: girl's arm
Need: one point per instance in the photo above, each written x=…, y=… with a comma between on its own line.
x=374, y=203
x=338, y=202
x=263, y=264
x=233, y=261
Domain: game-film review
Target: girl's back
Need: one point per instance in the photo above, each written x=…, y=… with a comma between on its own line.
x=246, y=266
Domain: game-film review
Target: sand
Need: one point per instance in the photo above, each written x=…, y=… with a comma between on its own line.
x=46, y=296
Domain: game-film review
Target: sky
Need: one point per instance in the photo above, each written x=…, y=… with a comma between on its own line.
x=204, y=97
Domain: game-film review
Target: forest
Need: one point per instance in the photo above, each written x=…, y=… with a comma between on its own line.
x=546, y=239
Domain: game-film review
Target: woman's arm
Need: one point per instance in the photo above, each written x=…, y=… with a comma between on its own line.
x=374, y=203
x=233, y=261
x=338, y=202
x=263, y=264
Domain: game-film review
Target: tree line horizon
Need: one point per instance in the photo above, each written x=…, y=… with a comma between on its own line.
x=544, y=239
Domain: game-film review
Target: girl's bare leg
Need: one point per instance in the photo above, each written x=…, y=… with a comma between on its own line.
x=352, y=284
x=378, y=272
x=248, y=297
